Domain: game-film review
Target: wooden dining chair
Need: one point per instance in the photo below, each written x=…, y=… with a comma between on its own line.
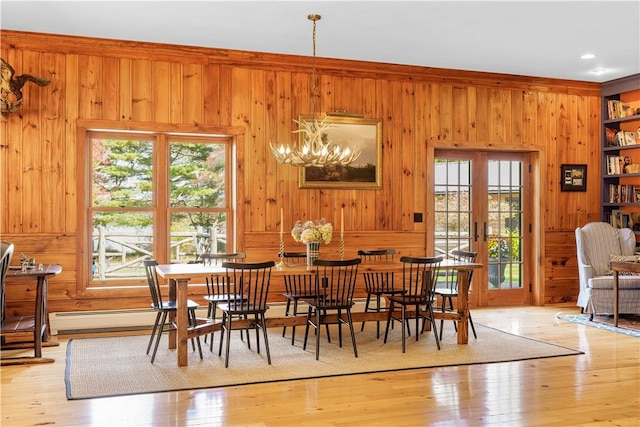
x=250, y=280
x=296, y=287
x=163, y=308
x=419, y=275
x=215, y=288
x=450, y=290
x=377, y=284
x=335, y=285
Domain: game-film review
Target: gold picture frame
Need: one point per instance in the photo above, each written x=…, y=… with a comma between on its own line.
x=357, y=133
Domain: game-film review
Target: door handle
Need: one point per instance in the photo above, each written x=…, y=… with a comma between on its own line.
x=485, y=231
x=475, y=232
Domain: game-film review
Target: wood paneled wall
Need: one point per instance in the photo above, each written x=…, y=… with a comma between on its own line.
x=421, y=108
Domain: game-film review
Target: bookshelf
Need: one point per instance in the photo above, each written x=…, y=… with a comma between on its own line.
x=621, y=153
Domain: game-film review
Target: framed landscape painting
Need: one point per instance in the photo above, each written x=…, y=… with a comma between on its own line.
x=358, y=134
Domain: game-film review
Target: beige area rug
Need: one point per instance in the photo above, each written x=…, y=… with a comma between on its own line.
x=115, y=366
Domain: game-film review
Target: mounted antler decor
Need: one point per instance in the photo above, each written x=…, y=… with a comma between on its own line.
x=12, y=86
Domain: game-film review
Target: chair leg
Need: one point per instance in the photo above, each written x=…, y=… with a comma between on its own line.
x=293, y=328
x=222, y=332
x=353, y=335
x=306, y=329
x=318, y=335
x=442, y=307
x=153, y=331
x=194, y=322
x=389, y=320
x=404, y=319
x=263, y=326
x=473, y=328
x=248, y=337
x=455, y=324
x=366, y=309
x=326, y=327
x=209, y=317
x=433, y=324
x=229, y=321
x=418, y=322
x=378, y=298
x=340, y=327
x=163, y=321
x=213, y=307
x=286, y=313
x=255, y=317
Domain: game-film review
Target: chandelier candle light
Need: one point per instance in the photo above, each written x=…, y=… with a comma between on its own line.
x=316, y=150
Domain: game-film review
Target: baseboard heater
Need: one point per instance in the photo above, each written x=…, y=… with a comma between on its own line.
x=79, y=322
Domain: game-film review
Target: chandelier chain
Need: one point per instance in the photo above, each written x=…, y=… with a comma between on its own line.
x=315, y=148
x=314, y=18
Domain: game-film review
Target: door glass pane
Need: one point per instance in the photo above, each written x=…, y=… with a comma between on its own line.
x=452, y=206
x=504, y=228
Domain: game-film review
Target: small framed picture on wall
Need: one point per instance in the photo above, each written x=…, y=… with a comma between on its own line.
x=573, y=178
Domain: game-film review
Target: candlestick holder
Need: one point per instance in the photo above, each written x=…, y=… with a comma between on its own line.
x=281, y=263
x=342, y=245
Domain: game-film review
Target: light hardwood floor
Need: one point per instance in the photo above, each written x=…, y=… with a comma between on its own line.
x=599, y=388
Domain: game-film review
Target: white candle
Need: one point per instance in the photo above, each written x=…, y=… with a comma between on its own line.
x=282, y=220
x=342, y=220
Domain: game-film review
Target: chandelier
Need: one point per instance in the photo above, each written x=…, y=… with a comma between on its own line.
x=316, y=149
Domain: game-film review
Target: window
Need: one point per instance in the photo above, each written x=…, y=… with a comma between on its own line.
x=158, y=195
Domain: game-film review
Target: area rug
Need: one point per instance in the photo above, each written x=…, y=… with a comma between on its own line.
x=628, y=324
x=116, y=366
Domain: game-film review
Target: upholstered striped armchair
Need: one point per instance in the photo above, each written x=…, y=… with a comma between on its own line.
x=596, y=242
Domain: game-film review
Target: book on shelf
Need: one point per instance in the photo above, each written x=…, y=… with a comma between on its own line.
x=634, y=221
x=611, y=138
x=629, y=138
x=617, y=109
x=621, y=219
x=615, y=164
x=623, y=193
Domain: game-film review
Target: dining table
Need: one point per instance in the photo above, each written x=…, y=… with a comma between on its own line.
x=178, y=277
x=36, y=325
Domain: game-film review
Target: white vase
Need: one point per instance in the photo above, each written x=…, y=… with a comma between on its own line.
x=313, y=252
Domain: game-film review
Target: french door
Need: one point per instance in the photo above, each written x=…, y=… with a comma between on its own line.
x=481, y=206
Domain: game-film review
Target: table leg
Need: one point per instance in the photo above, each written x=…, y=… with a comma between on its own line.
x=46, y=336
x=39, y=316
x=173, y=296
x=616, y=288
x=182, y=322
x=463, y=306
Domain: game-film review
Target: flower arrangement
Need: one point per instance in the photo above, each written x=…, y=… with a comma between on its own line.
x=310, y=231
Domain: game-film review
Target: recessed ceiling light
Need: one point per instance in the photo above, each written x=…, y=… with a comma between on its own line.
x=599, y=71
x=587, y=56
